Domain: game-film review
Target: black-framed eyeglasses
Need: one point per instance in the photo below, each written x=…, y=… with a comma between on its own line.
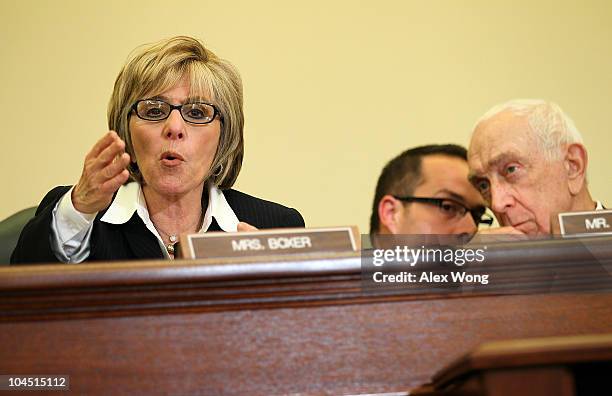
x=158, y=110
x=453, y=209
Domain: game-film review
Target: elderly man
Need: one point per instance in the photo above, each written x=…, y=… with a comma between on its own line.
x=425, y=190
x=528, y=161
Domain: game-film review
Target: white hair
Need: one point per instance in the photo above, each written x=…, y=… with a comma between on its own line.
x=553, y=128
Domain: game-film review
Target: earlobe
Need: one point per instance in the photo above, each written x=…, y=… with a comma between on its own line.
x=388, y=213
x=576, y=160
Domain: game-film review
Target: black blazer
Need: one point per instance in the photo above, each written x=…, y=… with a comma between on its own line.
x=133, y=240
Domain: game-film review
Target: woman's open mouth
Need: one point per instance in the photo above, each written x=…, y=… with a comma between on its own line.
x=171, y=158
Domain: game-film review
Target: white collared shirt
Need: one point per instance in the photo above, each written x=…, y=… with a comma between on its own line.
x=599, y=206
x=71, y=229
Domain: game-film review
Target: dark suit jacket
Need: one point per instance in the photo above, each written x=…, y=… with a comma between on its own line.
x=133, y=240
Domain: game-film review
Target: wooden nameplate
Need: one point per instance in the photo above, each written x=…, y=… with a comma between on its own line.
x=583, y=224
x=277, y=241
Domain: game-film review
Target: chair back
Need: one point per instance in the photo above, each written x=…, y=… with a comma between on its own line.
x=10, y=229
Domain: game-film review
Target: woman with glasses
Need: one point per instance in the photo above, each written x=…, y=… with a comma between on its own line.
x=166, y=167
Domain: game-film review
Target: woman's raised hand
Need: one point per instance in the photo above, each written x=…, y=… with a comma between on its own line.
x=104, y=171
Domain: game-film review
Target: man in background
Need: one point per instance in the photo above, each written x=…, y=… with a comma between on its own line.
x=528, y=161
x=425, y=190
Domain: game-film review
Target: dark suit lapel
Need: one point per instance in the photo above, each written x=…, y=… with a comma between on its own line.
x=142, y=243
x=140, y=240
x=214, y=226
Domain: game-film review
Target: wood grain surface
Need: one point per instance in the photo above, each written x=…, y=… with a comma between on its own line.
x=275, y=327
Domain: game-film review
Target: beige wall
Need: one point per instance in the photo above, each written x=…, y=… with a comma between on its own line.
x=333, y=89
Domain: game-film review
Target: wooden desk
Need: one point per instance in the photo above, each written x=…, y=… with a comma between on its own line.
x=285, y=326
x=563, y=366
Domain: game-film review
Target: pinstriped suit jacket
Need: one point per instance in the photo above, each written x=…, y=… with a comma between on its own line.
x=133, y=240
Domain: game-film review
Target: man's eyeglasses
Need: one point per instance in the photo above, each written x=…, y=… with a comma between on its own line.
x=452, y=209
x=158, y=110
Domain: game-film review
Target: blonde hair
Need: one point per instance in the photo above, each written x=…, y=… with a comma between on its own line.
x=552, y=127
x=155, y=68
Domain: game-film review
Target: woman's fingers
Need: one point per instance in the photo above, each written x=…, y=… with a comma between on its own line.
x=104, y=171
x=115, y=148
x=242, y=227
x=113, y=184
x=116, y=166
x=101, y=144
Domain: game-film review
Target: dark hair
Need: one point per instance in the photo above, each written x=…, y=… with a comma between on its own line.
x=401, y=175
